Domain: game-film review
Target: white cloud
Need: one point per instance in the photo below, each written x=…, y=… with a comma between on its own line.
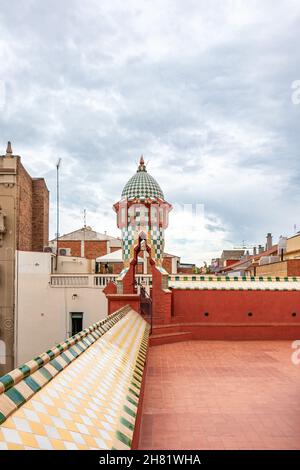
x=202, y=89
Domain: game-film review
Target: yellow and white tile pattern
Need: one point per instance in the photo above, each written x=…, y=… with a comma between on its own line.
x=91, y=404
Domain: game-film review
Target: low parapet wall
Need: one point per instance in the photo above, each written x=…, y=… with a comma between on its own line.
x=237, y=314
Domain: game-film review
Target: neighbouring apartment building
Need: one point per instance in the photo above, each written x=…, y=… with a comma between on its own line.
x=52, y=307
x=106, y=253
x=274, y=260
x=86, y=243
x=227, y=258
x=286, y=261
x=24, y=222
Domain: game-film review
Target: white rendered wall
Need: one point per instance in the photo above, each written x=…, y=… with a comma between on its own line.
x=42, y=313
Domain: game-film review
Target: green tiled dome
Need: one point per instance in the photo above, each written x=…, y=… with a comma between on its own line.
x=142, y=185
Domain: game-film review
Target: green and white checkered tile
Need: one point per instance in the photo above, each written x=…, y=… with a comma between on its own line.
x=190, y=282
x=142, y=186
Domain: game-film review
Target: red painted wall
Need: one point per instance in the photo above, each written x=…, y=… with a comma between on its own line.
x=115, y=302
x=161, y=300
x=229, y=262
x=228, y=314
x=233, y=306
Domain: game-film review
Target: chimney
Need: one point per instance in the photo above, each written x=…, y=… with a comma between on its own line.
x=254, y=251
x=9, y=151
x=269, y=241
x=260, y=249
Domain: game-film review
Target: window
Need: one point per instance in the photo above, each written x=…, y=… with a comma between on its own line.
x=76, y=322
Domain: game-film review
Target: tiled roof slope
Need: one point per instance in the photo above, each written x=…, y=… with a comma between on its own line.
x=82, y=394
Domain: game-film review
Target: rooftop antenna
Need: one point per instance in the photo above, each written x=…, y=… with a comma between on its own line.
x=84, y=218
x=58, y=164
x=295, y=228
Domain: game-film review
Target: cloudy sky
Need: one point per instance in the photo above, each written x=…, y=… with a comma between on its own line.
x=203, y=89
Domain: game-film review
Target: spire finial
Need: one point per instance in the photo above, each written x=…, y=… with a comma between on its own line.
x=142, y=166
x=9, y=149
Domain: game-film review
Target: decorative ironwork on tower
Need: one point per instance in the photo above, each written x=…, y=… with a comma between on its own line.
x=142, y=215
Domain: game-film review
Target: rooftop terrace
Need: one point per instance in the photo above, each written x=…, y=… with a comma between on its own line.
x=221, y=395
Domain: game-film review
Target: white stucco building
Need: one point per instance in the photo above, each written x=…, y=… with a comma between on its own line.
x=49, y=308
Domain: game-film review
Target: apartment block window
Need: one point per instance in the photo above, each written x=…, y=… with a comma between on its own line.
x=76, y=322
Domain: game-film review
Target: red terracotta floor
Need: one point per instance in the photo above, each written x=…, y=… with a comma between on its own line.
x=221, y=395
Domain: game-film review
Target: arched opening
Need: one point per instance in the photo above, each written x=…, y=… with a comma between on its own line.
x=140, y=249
x=142, y=283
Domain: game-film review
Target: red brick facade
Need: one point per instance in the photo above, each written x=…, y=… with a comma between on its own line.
x=40, y=214
x=92, y=248
x=74, y=245
x=293, y=267
x=32, y=211
x=24, y=209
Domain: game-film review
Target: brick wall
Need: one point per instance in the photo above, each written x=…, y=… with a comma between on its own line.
x=40, y=214
x=32, y=215
x=96, y=248
x=293, y=267
x=92, y=249
x=24, y=209
x=75, y=246
x=188, y=270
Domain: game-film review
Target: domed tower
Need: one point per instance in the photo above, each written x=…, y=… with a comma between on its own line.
x=142, y=216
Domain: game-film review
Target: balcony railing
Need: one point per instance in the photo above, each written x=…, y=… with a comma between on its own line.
x=93, y=280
